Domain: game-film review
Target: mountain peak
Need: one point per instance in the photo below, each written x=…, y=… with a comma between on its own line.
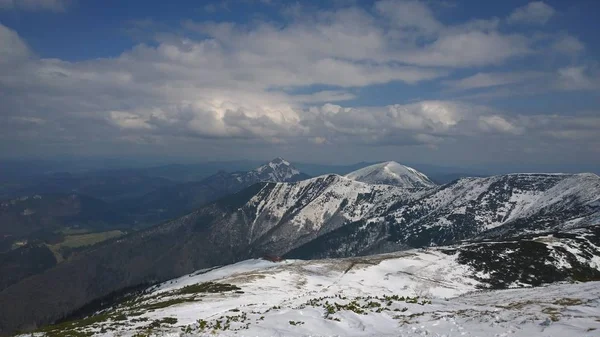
x=391, y=173
x=279, y=160
x=279, y=170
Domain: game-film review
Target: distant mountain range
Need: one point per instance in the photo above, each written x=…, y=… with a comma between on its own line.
x=175, y=200
x=325, y=216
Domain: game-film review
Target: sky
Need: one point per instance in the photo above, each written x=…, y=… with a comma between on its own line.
x=511, y=84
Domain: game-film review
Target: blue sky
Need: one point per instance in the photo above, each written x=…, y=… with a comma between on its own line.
x=439, y=82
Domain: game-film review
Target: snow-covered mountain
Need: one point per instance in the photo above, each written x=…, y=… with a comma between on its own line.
x=391, y=173
x=435, y=292
x=322, y=217
x=499, y=206
x=284, y=216
x=277, y=170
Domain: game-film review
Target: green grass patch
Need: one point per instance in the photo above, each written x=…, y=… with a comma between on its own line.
x=208, y=287
x=87, y=239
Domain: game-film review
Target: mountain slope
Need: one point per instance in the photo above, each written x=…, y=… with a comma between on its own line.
x=171, y=201
x=499, y=206
x=432, y=290
x=391, y=173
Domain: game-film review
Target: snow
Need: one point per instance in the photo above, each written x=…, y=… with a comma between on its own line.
x=391, y=173
x=289, y=299
x=277, y=170
x=499, y=200
x=314, y=201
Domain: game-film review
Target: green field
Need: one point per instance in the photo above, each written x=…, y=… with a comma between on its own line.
x=82, y=240
x=88, y=239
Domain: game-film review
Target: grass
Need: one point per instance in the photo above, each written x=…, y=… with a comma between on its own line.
x=80, y=238
x=119, y=315
x=68, y=329
x=208, y=287
x=74, y=231
x=87, y=239
x=553, y=314
x=568, y=301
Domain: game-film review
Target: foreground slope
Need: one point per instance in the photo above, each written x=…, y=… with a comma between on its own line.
x=435, y=292
x=391, y=173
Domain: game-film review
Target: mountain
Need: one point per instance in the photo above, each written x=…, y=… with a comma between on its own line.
x=21, y=217
x=391, y=173
x=35, y=231
x=108, y=185
x=437, y=291
x=499, y=206
x=277, y=170
x=175, y=200
x=326, y=216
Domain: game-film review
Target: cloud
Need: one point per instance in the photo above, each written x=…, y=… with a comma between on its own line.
x=581, y=128
x=12, y=48
x=281, y=83
x=487, y=80
x=578, y=78
x=422, y=123
x=534, y=13
x=498, y=124
x=35, y=5
x=409, y=14
x=567, y=44
x=470, y=49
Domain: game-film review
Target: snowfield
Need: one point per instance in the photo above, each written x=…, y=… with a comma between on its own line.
x=413, y=293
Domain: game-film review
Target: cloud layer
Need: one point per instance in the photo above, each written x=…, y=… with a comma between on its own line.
x=265, y=82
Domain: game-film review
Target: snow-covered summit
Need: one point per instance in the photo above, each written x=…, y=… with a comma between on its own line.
x=391, y=173
x=278, y=170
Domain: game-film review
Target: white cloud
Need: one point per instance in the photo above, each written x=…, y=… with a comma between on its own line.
x=470, y=49
x=498, y=124
x=487, y=80
x=578, y=78
x=12, y=48
x=421, y=123
x=409, y=14
x=568, y=44
x=274, y=83
x=536, y=12
x=36, y=5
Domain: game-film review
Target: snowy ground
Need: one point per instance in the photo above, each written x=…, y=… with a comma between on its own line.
x=416, y=293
